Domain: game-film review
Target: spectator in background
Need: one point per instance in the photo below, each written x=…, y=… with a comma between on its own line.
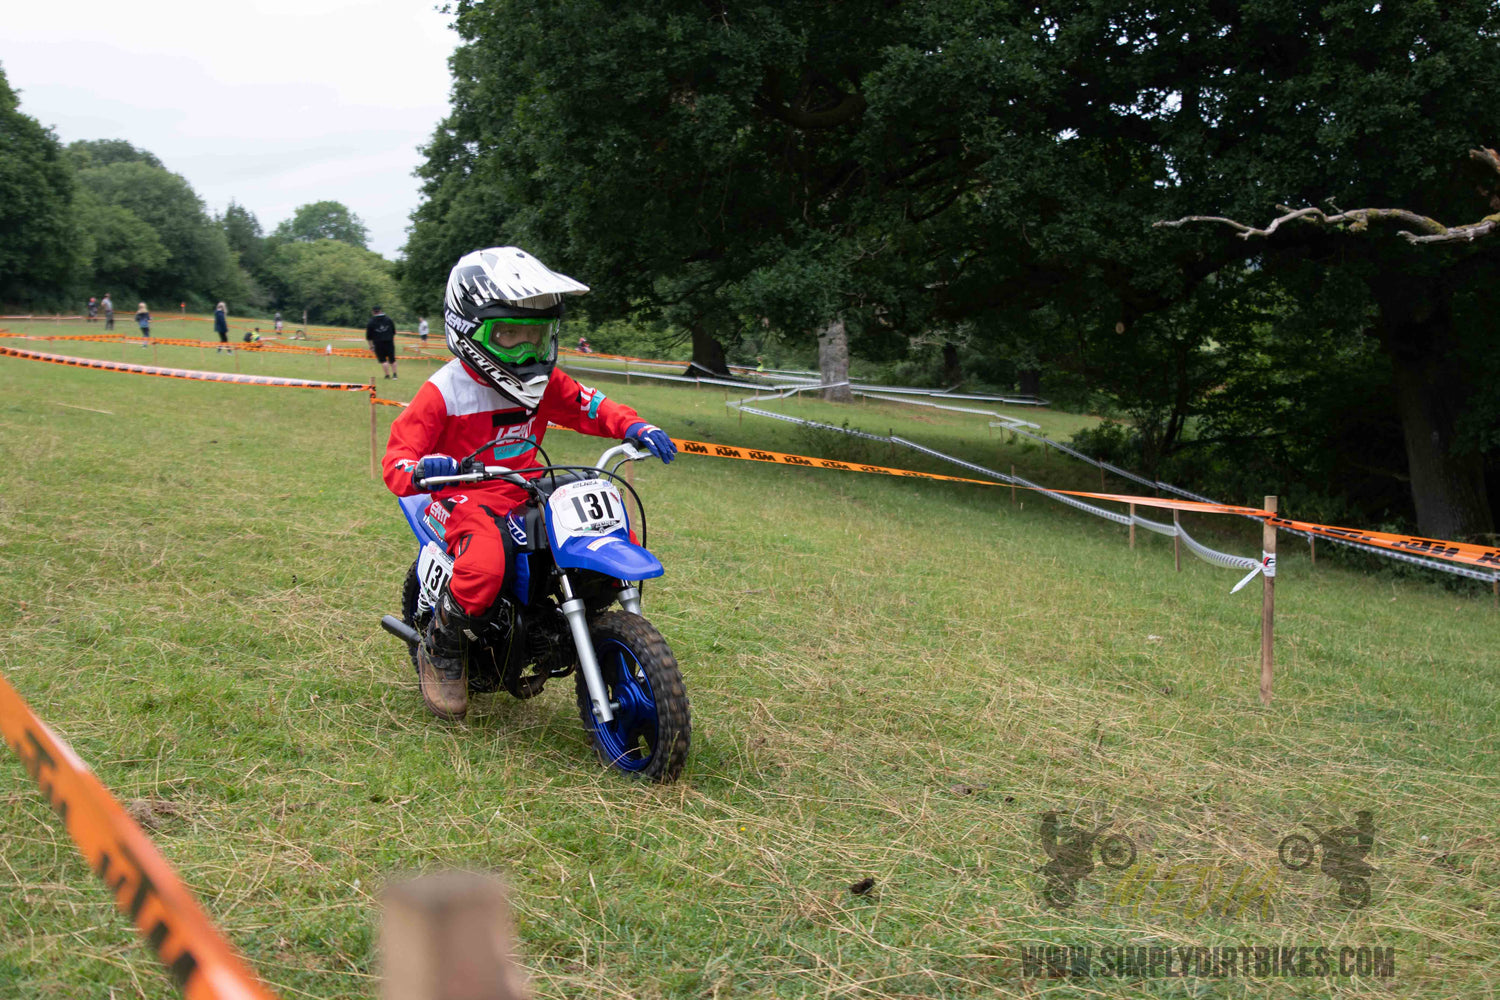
x=109, y=312
x=381, y=333
x=143, y=320
x=278, y=324
x=93, y=309
x=422, y=331
x=221, y=327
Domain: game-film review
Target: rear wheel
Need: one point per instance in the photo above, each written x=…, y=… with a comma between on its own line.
x=409, y=593
x=649, y=735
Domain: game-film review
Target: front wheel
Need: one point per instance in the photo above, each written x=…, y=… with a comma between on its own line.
x=649, y=735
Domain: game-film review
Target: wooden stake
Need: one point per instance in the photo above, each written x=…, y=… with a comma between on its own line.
x=1312, y=546
x=1101, y=479
x=374, y=447
x=1013, y=484
x=1132, y=526
x=1177, y=540
x=1268, y=602
x=1495, y=586
x=448, y=936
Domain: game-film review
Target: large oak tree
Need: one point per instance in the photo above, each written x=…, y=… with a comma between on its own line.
x=997, y=168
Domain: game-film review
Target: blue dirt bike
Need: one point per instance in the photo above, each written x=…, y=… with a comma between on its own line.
x=570, y=559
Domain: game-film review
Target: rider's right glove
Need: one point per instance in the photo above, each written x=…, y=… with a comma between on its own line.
x=433, y=465
x=653, y=439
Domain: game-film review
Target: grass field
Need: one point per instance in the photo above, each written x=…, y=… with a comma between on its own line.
x=890, y=679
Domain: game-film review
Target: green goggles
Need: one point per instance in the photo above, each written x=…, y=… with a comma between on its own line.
x=518, y=341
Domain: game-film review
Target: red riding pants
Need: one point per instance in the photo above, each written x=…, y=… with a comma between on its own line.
x=475, y=535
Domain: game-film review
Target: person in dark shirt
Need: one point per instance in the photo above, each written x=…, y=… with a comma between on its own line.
x=381, y=334
x=221, y=327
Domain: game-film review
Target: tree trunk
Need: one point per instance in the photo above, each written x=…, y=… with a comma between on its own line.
x=1447, y=487
x=953, y=373
x=833, y=360
x=1030, y=381
x=708, y=355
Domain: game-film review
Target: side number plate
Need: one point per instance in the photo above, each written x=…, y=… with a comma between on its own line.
x=434, y=567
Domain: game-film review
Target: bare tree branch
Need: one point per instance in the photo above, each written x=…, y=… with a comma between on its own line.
x=1358, y=220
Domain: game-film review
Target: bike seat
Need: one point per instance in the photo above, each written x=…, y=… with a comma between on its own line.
x=547, y=482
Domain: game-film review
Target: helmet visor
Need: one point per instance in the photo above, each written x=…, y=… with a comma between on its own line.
x=519, y=341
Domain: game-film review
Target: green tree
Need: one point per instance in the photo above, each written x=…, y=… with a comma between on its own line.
x=667, y=153
x=242, y=230
x=124, y=252
x=917, y=169
x=87, y=153
x=322, y=220
x=40, y=251
x=336, y=283
x=199, y=260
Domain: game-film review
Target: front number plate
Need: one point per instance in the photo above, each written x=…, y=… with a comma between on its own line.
x=587, y=507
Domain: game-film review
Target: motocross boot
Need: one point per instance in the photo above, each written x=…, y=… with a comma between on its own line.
x=442, y=660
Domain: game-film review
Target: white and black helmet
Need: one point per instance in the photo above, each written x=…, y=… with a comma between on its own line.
x=502, y=312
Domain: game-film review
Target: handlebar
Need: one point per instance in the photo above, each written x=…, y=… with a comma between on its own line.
x=626, y=449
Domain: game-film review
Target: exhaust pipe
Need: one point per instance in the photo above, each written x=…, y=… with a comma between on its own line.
x=400, y=630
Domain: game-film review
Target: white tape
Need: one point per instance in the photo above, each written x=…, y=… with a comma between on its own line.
x=1268, y=563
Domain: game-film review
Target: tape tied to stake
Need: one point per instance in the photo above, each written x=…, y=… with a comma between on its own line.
x=1266, y=567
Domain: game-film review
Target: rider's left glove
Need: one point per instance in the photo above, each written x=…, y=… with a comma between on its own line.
x=433, y=465
x=653, y=439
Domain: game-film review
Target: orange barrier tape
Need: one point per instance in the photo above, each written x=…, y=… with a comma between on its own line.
x=183, y=373
x=146, y=889
x=275, y=347
x=1480, y=556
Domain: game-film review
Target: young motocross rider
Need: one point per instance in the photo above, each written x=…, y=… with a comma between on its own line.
x=502, y=314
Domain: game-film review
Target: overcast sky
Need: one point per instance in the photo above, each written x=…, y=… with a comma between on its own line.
x=271, y=103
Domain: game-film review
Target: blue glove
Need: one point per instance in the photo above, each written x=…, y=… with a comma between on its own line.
x=433, y=465
x=653, y=439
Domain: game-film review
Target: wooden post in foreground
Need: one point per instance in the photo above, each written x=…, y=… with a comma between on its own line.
x=1132, y=526
x=374, y=444
x=447, y=936
x=1312, y=548
x=1268, y=602
x=1177, y=540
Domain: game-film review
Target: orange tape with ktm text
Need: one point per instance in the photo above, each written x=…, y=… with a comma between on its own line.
x=1479, y=556
x=145, y=888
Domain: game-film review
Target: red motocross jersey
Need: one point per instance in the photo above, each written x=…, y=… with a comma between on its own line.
x=454, y=413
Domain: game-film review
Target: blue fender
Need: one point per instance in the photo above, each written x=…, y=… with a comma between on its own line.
x=613, y=555
x=414, y=509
